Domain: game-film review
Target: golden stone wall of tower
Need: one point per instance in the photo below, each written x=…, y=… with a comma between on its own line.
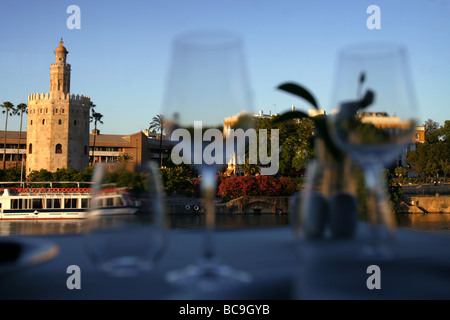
x=58, y=123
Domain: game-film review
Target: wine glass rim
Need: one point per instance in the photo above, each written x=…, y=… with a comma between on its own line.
x=208, y=37
x=372, y=49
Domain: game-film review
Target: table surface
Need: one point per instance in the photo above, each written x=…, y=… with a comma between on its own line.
x=282, y=267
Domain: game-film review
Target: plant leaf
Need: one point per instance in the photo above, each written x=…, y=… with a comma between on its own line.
x=367, y=100
x=300, y=91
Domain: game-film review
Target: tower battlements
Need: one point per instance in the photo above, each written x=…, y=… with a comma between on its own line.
x=76, y=99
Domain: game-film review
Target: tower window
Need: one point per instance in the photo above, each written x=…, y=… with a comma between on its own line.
x=58, y=148
x=62, y=110
x=75, y=122
x=43, y=121
x=30, y=148
x=31, y=122
x=59, y=121
x=85, y=150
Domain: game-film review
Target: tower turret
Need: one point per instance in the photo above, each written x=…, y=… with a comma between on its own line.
x=60, y=72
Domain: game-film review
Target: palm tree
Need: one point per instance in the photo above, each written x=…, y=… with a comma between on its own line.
x=8, y=109
x=96, y=117
x=21, y=108
x=158, y=123
x=125, y=160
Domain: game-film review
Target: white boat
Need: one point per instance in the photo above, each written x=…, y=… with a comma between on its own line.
x=60, y=203
x=114, y=201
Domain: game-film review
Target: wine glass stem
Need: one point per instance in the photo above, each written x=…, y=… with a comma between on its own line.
x=379, y=208
x=208, y=185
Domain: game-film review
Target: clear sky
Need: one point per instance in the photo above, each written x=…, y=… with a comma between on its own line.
x=120, y=56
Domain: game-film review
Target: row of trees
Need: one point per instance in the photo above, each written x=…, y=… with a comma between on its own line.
x=13, y=174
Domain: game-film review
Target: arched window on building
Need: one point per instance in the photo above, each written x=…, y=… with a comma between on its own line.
x=30, y=148
x=59, y=121
x=58, y=148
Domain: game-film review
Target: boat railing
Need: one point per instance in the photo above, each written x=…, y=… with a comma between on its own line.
x=45, y=184
x=14, y=190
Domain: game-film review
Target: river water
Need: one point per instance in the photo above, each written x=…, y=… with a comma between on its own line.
x=434, y=223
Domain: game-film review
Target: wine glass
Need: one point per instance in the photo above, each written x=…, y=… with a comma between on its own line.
x=207, y=84
x=374, y=123
x=125, y=234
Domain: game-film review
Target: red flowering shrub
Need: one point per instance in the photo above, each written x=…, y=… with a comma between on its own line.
x=288, y=186
x=235, y=187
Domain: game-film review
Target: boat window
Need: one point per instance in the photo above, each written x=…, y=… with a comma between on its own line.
x=16, y=203
x=37, y=203
x=70, y=203
x=109, y=202
x=57, y=204
x=85, y=203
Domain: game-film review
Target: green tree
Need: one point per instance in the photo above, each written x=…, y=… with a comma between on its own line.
x=176, y=180
x=158, y=123
x=8, y=109
x=40, y=176
x=394, y=191
x=445, y=165
x=445, y=131
x=432, y=132
x=11, y=174
x=415, y=159
x=65, y=174
x=96, y=117
x=84, y=176
x=20, y=109
x=296, y=141
x=401, y=172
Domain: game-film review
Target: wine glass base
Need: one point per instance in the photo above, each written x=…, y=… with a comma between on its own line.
x=208, y=275
x=126, y=267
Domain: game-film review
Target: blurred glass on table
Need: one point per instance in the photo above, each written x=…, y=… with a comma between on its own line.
x=207, y=96
x=126, y=233
x=374, y=121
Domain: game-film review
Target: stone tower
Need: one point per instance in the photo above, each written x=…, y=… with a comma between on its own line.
x=58, y=123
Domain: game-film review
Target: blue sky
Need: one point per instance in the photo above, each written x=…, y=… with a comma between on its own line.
x=120, y=56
